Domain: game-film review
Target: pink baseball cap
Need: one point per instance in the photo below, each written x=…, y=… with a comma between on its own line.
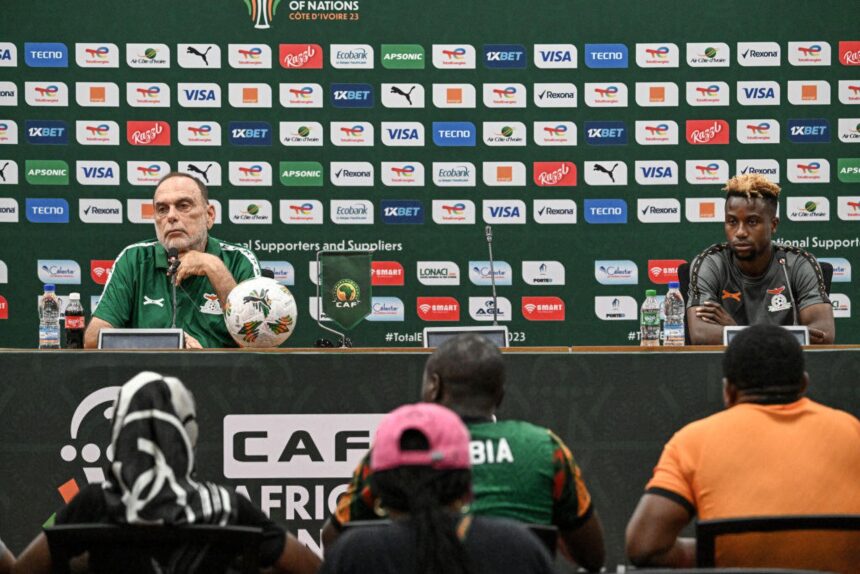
x=446, y=434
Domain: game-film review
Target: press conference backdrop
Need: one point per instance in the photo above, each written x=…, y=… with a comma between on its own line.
x=593, y=136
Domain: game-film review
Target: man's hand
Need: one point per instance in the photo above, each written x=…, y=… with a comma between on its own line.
x=714, y=313
x=191, y=342
x=193, y=263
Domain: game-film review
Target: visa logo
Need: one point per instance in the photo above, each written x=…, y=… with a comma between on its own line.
x=555, y=56
x=656, y=172
x=403, y=134
x=5, y=55
x=504, y=211
x=759, y=93
x=98, y=172
x=200, y=95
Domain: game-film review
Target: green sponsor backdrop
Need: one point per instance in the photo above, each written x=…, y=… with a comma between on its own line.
x=393, y=28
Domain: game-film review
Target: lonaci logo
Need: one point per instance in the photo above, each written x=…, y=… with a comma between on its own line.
x=261, y=12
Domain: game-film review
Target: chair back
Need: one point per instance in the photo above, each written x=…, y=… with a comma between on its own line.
x=827, y=272
x=707, y=531
x=547, y=534
x=138, y=545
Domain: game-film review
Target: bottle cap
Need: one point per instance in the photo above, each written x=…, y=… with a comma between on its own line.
x=74, y=296
x=650, y=292
x=50, y=287
x=674, y=284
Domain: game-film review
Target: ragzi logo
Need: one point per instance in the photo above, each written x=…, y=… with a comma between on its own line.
x=301, y=56
x=707, y=132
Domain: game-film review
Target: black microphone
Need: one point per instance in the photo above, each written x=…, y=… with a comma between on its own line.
x=172, y=261
x=790, y=293
x=488, y=231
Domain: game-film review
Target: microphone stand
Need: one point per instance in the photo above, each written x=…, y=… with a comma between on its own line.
x=172, y=266
x=489, y=232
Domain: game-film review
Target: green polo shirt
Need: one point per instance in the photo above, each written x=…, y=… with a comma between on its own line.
x=138, y=293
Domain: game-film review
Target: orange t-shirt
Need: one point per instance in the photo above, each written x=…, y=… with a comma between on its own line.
x=766, y=460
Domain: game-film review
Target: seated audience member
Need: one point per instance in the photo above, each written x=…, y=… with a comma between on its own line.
x=420, y=465
x=749, y=279
x=771, y=452
x=520, y=471
x=7, y=559
x=151, y=481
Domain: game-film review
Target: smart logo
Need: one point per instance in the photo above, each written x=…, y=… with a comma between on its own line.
x=46, y=55
x=602, y=211
x=250, y=133
x=606, y=133
x=405, y=211
x=809, y=131
x=454, y=134
x=47, y=210
x=606, y=56
x=505, y=56
x=47, y=132
x=351, y=95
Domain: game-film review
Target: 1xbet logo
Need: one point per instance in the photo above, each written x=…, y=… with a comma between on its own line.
x=606, y=133
x=352, y=95
x=47, y=132
x=505, y=56
x=250, y=133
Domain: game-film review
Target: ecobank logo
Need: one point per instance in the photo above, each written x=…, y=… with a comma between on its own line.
x=351, y=56
x=454, y=174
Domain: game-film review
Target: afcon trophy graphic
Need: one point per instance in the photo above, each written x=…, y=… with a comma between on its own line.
x=262, y=11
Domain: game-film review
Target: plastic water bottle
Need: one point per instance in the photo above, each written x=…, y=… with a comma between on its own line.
x=649, y=320
x=673, y=310
x=49, y=319
x=75, y=322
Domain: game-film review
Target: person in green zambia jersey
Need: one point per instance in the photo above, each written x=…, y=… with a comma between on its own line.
x=520, y=471
x=139, y=293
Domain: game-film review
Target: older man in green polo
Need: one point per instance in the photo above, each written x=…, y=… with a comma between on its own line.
x=139, y=291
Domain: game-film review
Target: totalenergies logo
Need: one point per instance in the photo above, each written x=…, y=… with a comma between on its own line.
x=304, y=93
x=660, y=53
x=48, y=91
x=505, y=93
x=455, y=55
x=709, y=170
x=262, y=12
x=658, y=130
x=4, y=127
x=252, y=171
x=149, y=171
x=100, y=130
x=456, y=209
x=353, y=132
x=100, y=53
x=150, y=92
x=200, y=131
x=405, y=171
x=607, y=92
x=252, y=54
x=557, y=131
x=761, y=129
x=810, y=168
x=712, y=91
x=813, y=51
x=303, y=209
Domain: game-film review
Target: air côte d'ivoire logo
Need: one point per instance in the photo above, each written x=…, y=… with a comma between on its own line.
x=346, y=293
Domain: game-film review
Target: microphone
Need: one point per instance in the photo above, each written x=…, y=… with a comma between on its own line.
x=790, y=293
x=172, y=267
x=488, y=231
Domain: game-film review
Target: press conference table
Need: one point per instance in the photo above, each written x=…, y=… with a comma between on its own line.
x=614, y=406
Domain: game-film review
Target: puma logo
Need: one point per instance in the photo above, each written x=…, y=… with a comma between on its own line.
x=609, y=172
x=399, y=92
x=193, y=50
x=3, y=169
x=202, y=172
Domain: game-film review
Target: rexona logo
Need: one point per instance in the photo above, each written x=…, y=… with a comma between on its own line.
x=301, y=211
x=454, y=174
x=616, y=308
x=47, y=210
x=616, y=272
x=848, y=208
x=708, y=55
x=437, y=309
x=402, y=174
x=505, y=56
x=808, y=209
x=758, y=54
x=438, y=273
x=206, y=56
x=707, y=132
x=8, y=94
x=543, y=273
x=388, y=309
x=46, y=55
x=606, y=55
x=8, y=55
x=809, y=131
x=199, y=133
x=769, y=168
x=758, y=93
x=250, y=133
x=554, y=173
x=485, y=309
x=305, y=95
x=454, y=134
x=848, y=169
x=301, y=173
x=100, y=210
x=849, y=130
x=60, y=271
x=707, y=171
x=46, y=172
x=481, y=274
x=47, y=132
x=504, y=211
x=250, y=211
x=809, y=170
x=657, y=172
x=662, y=55
x=555, y=95
x=351, y=173
x=403, y=56
x=250, y=173
x=662, y=271
x=657, y=132
x=147, y=55
x=606, y=133
x=554, y=56
x=454, y=56
x=199, y=95
x=554, y=133
x=398, y=134
x=814, y=53
x=301, y=133
x=386, y=274
x=8, y=210
x=149, y=133
x=251, y=56
x=554, y=211
x=100, y=270
x=658, y=210
x=353, y=56
x=454, y=211
x=351, y=95
x=97, y=132
x=757, y=131
x=301, y=56
x=401, y=211
x=605, y=211
x=849, y=53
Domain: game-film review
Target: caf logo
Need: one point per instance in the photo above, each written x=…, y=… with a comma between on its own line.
x=346, y=293
x=262, y=11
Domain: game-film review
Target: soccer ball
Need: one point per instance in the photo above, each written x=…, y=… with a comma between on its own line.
x=260, y=312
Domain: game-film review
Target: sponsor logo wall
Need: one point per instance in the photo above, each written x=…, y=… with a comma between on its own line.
x=349, y=142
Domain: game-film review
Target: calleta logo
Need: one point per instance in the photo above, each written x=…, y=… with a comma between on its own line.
x=261, y=12
x=154, y=133
x=346, y=294
x=707, y=132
